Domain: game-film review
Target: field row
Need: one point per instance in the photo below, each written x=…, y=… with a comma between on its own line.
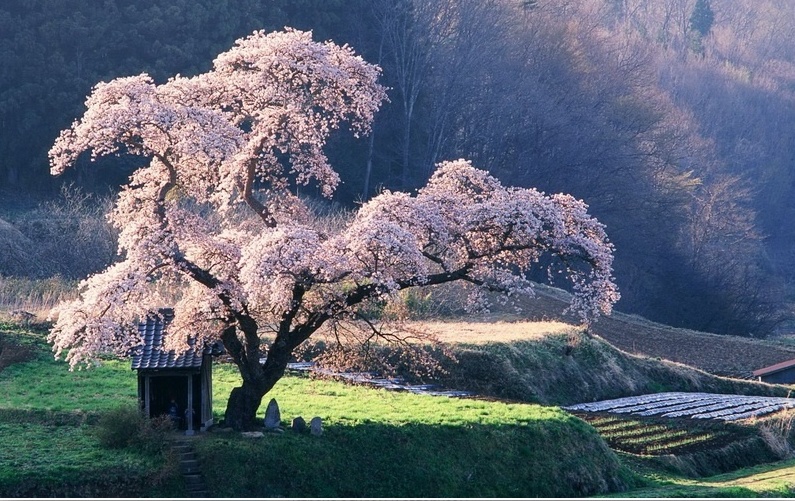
x=639, y=436
x=690, y=405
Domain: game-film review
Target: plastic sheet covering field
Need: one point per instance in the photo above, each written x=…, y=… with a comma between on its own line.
x=690, y=405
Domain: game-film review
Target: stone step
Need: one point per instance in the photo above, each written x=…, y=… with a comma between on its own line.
x=191, y=467
x=193, y=479
x=198, y=491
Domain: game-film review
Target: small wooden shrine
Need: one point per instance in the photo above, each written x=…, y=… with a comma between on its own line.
x=174, y=384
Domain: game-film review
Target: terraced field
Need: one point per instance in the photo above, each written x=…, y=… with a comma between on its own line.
x=676, y=422
x=689, y=405
x=659, y=437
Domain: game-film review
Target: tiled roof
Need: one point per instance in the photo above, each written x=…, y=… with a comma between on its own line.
x=151, y=354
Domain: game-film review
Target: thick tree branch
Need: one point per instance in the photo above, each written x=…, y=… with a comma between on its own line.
x=247, y=193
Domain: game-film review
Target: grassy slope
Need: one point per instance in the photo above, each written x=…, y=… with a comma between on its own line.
x=767, y=480
x=730, y=356
x=413, y=443
x=45, y=456
x=376, y=443
x=386, y=444
x=570, y=367
x=47, y=414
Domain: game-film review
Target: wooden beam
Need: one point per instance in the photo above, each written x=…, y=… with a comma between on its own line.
x=189, y=410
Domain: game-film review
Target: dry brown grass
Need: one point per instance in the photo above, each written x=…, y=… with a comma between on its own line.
x=723, y=355
x=778, y=431
x=728, y=356
x=475, y=330
x=21, y=297
x=486, y=332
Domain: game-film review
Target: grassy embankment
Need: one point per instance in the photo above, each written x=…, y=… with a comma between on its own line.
x=674, y=453
x=378, y=443
x=375, y=443
x=766, y=480
x=557, y=364
x=385, y=444
x=48, y=418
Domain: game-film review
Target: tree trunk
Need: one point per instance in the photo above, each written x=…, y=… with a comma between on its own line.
x=258, y=380
x=241, y=409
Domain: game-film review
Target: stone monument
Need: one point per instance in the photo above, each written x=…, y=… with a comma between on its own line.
x=316, y=426
x=273, y=418
x=299, y=424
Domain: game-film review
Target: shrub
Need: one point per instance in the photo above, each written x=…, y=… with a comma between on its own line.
x=15, y=248
x=125, y=426
x=439, y=301
x=778, y=431
x=12, y=353
x=69, y=237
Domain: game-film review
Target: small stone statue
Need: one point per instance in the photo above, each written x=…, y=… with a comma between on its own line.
x=273, y=417
x=316, y=426
x=299, y=425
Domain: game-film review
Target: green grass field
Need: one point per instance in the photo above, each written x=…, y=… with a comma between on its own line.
x=47, y=417
x=378, y=443
x=375, y=444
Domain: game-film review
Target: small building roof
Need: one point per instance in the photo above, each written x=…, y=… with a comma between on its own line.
x=765, y=371
x=152, y=355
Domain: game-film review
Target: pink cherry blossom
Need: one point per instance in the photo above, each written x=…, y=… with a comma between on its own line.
x=215, y=217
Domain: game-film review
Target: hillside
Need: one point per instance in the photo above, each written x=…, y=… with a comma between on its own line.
x=569, y=367
x=722, y=355
x=682, y=145
x=544, y=362
x=506, y=357
x=402, y=445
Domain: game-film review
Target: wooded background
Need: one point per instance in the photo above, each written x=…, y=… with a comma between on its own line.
x=672, y=119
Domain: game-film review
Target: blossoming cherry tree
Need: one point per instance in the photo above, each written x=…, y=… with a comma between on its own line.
x=214, y=215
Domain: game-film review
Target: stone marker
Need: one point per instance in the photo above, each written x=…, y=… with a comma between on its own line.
x=273, y=418
x=252, y=434
x=299, y=424
x=316, y=426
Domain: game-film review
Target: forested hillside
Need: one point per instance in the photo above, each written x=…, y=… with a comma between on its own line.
x=670, y=118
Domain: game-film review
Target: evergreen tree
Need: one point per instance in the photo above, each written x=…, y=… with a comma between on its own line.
x=702, y=18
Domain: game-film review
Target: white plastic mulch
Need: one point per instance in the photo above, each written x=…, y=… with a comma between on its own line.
x=690, y=405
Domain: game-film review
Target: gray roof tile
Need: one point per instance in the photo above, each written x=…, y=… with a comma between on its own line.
x=151, y=354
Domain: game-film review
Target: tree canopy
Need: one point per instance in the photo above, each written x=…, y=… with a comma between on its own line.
x=215, y=215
